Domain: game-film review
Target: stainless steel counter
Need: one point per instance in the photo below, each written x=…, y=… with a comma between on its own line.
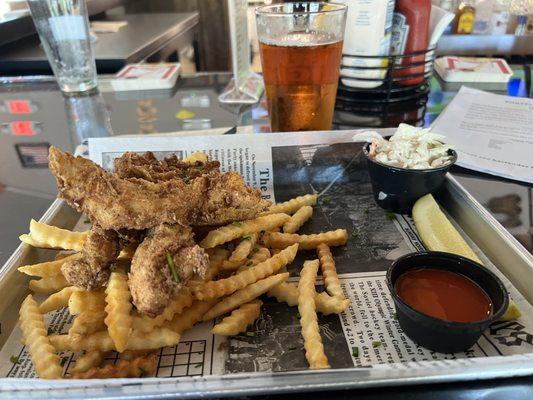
x=143, y=36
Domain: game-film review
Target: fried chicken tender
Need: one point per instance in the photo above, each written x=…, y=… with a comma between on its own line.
x=150, y=202
x=146, y=166
x=227, y=199
x=91, y=270
x=150, y=280
x=115, y=203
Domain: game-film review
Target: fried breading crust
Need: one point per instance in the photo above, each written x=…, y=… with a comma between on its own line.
x=227, y=199
x=115, y=203
x=147, y=166
x=91, y=270
x=150, y=279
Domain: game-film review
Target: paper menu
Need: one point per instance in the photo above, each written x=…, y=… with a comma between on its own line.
x=491, y=133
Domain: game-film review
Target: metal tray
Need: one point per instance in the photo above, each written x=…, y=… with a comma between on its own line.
x=494, y=241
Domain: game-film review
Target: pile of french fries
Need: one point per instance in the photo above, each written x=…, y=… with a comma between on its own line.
x=247, y=260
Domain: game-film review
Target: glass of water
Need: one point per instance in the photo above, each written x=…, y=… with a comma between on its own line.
x=63, y=27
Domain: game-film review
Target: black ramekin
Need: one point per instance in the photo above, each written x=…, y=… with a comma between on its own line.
x=397, y=189
x=436, y=334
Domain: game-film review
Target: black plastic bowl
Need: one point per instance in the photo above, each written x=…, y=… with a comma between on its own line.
x=397, y=189
x=436, y=334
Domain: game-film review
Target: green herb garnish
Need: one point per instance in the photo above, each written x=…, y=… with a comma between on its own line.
x=14, y=359
x=355, y=351
x=198, y=365
x=247, y=237
x=298, y=315
x=376, y=343
x=63, y=361
x=251, y=334
x=390, y=216
x=366, y=211
x=187, y=180
x=395, y=316
x=236, y=223
x=172, y=267
x=355, y=234
x=326, y=200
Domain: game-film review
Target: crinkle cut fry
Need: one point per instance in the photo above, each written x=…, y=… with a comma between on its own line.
x=190, y=316
x=42, y=353
x=314, y=349
x=90, y=359
x=299, y=218
x=278, y=240
x=261, y=254
x=239, y=319
x=88, y=322
x=244, y=247
x=238, y=229
x=181, y=301
x=329, y=272
x=51, y=237
x=240, y=280
x=118, y=309
x=57, y=300
x=245, y=295
x=49, y=268
x=101, y=341
x=293, y=205
x=85, y=300
x=135, y=368
x=196, y=157
x=48, y=285
x=325, y=304
x=230, y=266
x=217, y=256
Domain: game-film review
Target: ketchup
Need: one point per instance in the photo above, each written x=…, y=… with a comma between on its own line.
x=411, y=20
x=444, y=295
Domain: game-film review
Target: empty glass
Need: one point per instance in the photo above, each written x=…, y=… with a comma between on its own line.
x=63, y=27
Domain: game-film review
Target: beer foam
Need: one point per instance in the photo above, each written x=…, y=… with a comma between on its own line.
x=302, y=39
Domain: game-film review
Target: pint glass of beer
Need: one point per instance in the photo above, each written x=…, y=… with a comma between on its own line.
x=301, y=47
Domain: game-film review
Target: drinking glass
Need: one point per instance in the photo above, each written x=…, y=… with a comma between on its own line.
x=301, y=47
x=63, y=27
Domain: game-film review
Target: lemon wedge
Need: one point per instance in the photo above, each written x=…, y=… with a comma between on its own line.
x=513, y=312
x=438, y=234
x=436, y=231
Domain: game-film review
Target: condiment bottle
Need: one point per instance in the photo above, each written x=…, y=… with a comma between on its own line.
x=368, y=33
x=465, y=17
x=499, y=19
x=410, y=33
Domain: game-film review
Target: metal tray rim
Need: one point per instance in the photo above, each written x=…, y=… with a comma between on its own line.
x=282, y=382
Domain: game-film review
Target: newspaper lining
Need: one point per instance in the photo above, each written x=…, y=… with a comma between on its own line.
x=366, y=335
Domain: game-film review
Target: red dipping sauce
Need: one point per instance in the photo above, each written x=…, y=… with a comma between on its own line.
x=444, y=295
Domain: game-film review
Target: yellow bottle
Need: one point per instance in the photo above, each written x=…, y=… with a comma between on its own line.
x=465, y=18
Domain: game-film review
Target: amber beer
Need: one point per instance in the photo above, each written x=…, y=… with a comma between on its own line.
x=301, y=83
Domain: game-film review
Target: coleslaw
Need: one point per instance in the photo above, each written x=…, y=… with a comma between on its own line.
x=410, y=147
